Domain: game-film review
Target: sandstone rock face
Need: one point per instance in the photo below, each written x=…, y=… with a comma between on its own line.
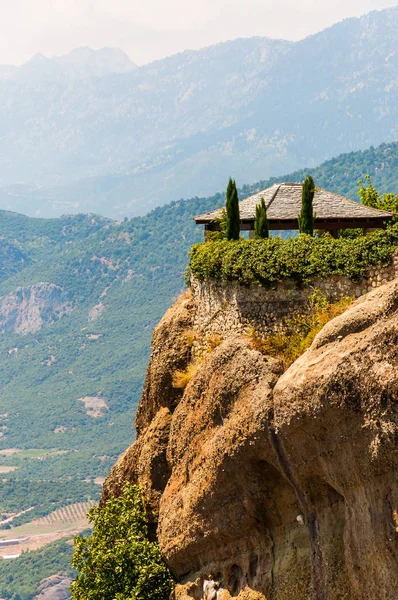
x=271, y=485
x=30, y=308
x=145, y=462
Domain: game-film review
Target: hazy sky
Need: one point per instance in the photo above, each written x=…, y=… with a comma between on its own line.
x=150, y=29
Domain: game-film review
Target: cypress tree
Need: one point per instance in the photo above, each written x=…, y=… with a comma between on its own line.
x=306, y=217
x=261, y=229
x=232, y=212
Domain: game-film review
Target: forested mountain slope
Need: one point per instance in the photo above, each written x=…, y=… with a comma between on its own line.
x=125, y=142
x=341, y=174
x=76, y=316
x=79, y=297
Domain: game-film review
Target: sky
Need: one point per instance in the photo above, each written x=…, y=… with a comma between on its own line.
x=151, y=29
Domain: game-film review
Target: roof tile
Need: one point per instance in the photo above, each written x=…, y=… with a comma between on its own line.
x=283, y=203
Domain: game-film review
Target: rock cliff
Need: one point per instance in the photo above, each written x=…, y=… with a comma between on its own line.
x=29, y=309
x=272, y=485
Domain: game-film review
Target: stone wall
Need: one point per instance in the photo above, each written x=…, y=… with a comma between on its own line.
x=225, y=308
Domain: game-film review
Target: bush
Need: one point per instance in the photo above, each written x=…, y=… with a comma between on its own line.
x=181, y=378
x=119, y=561
x=302, y=329
x=268, y=261
x=205, y=346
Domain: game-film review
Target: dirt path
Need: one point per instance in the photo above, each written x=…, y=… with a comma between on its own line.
x=16, y=515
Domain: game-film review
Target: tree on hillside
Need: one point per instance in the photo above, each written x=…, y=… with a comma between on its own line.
x=119, y=560
x=232, y=212
x=306, y=217
x=261, y=229
x=369, y=196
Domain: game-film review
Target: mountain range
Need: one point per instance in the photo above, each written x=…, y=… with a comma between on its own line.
x=92, y=132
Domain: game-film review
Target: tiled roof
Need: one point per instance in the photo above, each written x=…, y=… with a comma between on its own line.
x=283, y=203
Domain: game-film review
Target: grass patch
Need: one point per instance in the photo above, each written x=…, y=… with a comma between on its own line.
x=302, y=329
x=33, y=453
x=190, y=336
x=212, y=341
x=181, y=378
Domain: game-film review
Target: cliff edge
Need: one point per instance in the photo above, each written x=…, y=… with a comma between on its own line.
x=274, y=485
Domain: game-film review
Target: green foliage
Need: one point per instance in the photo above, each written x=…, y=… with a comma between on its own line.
x=20, y=578
x=232, y=212
x=119, y=561
x=369, y=196
x=306, y=216
x=350, y=233
x=265, y=262
x=261, y=221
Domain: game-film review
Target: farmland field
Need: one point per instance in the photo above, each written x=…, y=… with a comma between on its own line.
x=63, y=522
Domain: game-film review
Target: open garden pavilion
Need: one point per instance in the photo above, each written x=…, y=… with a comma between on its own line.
x=283, y=201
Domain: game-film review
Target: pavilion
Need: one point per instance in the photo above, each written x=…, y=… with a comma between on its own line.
x=283, y=202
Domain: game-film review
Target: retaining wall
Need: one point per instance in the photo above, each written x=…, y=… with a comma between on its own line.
x=227, y=308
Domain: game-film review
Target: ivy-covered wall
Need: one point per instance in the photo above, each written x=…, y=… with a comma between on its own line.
x=266, y=262
x=229, y=307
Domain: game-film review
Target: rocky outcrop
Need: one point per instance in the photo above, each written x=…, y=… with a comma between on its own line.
x=145, y=462
x=30, y=308
x=271, y=485
x=55, y=587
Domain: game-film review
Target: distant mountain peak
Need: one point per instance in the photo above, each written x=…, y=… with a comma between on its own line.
x=112, y=60
x=37, y=60
x=79, y=63
x=38, y=57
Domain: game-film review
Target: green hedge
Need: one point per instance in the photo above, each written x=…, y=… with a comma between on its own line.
x=267, y=261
